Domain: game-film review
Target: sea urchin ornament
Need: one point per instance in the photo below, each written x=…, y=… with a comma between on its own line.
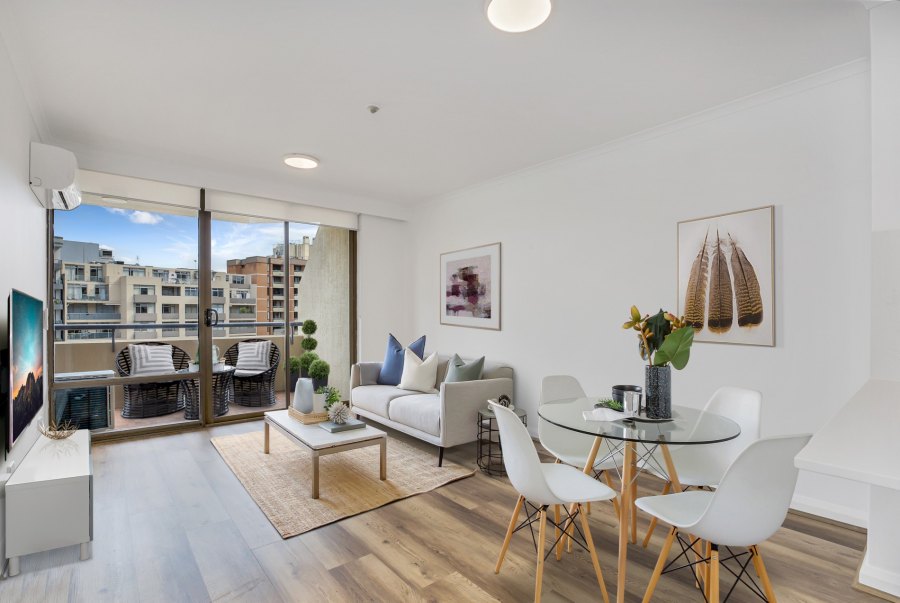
x=339, y=413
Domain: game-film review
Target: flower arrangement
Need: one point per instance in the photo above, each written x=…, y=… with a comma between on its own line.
x=663, y=338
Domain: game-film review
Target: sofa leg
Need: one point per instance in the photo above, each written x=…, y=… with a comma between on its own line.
x=440, y=456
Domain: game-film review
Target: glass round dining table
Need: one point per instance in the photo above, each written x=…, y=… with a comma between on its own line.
x=687, y=427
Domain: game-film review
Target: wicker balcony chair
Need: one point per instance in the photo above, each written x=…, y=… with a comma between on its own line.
x=151, y=399
x=259, y=389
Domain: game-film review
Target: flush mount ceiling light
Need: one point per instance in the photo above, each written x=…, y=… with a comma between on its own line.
x=302, y=162
x=517, y=16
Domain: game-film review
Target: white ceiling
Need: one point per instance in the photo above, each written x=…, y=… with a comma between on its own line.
x=226, y=87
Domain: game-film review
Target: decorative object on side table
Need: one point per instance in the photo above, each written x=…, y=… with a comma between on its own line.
x=59, y=431
x=470, y=287
x=488, y=449
x=722, y=305
x=338, y=413
x=664, y=341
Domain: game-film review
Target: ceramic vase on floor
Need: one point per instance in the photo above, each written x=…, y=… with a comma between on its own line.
x=658, y=391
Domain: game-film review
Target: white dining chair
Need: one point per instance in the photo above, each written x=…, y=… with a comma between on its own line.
x=540, y=486
x=746, y=509
x=570, y=447
x=704, y=466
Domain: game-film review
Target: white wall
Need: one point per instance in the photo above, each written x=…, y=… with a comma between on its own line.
x=586, y=237
x=23, y=244
x=384, y=253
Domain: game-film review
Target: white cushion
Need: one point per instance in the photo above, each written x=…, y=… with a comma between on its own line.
x=253, y=356
x=150, y=359
x=422, y=412
x=419, y=375
x=376, y=398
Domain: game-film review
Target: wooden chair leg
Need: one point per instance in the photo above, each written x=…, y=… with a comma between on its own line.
x=652, y=527
x=707, y=550
x=590, y=542
x=556, y=533
x=589, y=507
x=660, y=564
x=615, y=501
x=633, y=508
x=714, y=574
x=539, y=578
x=763, y=574
x=509, y=533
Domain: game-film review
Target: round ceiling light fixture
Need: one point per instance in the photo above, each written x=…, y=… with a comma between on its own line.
x=517, y=16
x=300, y=161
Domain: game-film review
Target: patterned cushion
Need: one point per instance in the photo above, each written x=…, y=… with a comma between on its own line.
x=253, y=356
x=150, y=359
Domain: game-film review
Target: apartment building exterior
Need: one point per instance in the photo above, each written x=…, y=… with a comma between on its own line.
x=277, y=291
x=92, y=287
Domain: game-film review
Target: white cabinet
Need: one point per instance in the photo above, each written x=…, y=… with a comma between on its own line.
x=49, y=499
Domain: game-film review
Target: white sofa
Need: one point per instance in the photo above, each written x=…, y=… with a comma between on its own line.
x=445, y=419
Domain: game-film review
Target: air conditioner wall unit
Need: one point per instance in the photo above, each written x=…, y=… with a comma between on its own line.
x=52, y=177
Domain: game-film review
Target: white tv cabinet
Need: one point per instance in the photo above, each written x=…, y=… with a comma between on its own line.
x=49, y=499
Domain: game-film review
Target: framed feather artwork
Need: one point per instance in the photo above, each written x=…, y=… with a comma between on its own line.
x=726, y=276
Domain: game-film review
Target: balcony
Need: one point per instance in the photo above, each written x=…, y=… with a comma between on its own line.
x=242, y=301
x=149, y=334
x=96, y=279
x=171, y=315
x=218, y=299
x=145, y=317
x=191, y=315
x=144, y=299
x=242, y=330
x=96, y=316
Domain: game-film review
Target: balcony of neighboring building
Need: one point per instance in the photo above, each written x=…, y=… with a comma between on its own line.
x=171, y=315
x=144, y=298
x=93, y=316
x=145, y=317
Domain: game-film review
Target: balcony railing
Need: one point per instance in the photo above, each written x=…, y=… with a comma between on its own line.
x=89, y=298
x=96, y=279
x=243, y=301
x=145, y=317
x=142, y=298
x=94, y=316
x=171, y=315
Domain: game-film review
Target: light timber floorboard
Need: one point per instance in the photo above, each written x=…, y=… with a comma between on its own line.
x=172, y=523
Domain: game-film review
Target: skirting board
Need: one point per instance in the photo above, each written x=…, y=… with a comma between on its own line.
x=869, y=590
x=820, y=508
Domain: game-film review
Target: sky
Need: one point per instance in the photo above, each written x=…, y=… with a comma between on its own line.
x=169, y=240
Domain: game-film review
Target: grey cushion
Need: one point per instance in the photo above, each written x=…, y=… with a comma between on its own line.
x=492, y=370
x=376, y=398
x=458, y=370
x=422, y=412
x=368, y=373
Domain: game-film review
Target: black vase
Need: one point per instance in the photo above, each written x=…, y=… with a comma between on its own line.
x=317, y=383
x=304, y=372
x=294, y=377
x=658, y=391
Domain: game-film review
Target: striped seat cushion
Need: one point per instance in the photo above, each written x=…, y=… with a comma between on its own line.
x=253, y=357
x=150, y=359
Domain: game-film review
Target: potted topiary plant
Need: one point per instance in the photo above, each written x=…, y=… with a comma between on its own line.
x=305, y=360
x=664, y=341
x=294, y=363
x=309, y=342
x=318, y=372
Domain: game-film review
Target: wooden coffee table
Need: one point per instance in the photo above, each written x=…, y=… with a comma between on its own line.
x=320, y=442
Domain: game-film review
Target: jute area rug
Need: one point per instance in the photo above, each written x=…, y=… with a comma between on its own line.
x=280, y=482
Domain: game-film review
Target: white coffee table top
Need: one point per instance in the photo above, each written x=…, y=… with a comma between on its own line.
x=315, y=437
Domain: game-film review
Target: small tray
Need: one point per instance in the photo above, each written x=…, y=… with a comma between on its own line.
x=645, y=419
x=307, y=418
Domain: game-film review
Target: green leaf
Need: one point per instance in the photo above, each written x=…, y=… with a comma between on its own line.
x=660, y=328
x=676, y=348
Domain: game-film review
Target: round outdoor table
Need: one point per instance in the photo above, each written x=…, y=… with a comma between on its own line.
x=687, y=427
x=222, y=391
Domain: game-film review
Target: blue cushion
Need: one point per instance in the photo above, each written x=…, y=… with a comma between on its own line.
x=392, y=368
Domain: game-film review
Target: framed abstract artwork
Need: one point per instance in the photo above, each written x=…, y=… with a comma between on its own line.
x=726, y=276
x=470, y=287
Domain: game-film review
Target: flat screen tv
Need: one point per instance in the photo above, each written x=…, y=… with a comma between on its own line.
x=26, y=359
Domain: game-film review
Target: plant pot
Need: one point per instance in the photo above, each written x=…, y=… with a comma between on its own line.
x=318, y=403
x=658, y=391
x=304, y=372
x=317, y=383
x=303, y=397
x=294, y=377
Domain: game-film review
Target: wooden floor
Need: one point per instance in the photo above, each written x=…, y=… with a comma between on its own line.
x=172, y=523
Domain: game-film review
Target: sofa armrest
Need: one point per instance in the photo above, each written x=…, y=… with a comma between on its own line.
x=362, y=369
x=460, y=403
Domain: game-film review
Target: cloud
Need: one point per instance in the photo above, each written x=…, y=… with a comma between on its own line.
x=145, y=217
x=116, y=210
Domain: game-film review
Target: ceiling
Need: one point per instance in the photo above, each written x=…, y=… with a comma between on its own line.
x=224, y=88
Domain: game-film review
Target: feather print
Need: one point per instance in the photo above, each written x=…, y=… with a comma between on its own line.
x=721, y=297
x=746, y=288
x=695, y=298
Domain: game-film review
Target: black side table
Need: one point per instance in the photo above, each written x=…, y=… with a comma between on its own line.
x=489, y=451
x=223, y=393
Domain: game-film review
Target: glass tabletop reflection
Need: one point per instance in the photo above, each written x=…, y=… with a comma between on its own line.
x=688, y=425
